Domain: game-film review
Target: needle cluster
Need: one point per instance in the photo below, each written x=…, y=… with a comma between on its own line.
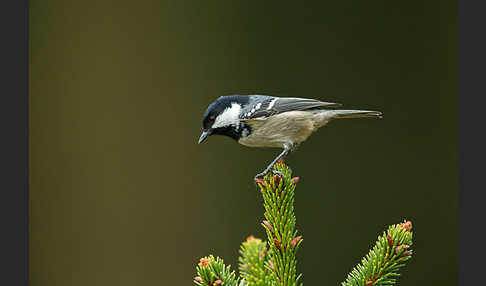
x=273, y=262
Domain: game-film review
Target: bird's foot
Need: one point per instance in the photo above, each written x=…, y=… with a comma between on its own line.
x=279, y=173
x=282, y=176
x=260, y=176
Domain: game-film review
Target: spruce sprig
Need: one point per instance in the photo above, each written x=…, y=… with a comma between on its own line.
x=254, y=261
x=380, y=266
x=212, y=271
x=274, y=262
x=278, y=200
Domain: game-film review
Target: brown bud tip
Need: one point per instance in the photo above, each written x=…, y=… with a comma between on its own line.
x=390, y=240
x=271, y=264
x=267, y=225
x=198, y=279
x=277, y=243
x=404, y=246
x=281, y=161
x=295, y=180
x=217, y=282
x=244, y=265
x=250, y=238
x=296, y=240
x=260, y=255
x=369, y=282
x=277, y=179
x=407, y=225
x=203, y=262
x=259, y=181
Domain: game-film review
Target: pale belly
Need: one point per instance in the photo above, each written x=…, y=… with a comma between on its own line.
x=290, y=128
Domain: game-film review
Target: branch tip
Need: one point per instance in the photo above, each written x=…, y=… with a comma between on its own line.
x=203, y=262
x=407, y=225
x=277, y=179
x=267, y=225
x=295, y=180
x=295, y=240
x=260, y=181
x=399, y=247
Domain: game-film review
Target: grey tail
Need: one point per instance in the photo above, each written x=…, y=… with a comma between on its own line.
x=355, y=114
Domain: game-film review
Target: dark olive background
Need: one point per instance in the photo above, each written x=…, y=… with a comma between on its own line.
x=121, y=194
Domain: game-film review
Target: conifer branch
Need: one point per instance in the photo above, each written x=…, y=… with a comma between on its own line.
x=380, y=266
x=278, y=201
x=275, y=265
x=212, y=272
x=254, y=262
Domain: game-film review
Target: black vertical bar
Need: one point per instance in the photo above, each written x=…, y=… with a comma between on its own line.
x=14, y=90
x=472, y=143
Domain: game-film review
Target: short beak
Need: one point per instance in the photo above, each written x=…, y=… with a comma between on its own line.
x=204, y=135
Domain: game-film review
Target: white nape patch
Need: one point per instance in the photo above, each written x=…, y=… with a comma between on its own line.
x=271, y=104
x=228, y=117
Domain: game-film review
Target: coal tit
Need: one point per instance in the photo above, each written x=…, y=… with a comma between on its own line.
x=269, y=121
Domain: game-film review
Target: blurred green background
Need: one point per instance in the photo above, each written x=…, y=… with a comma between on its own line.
x=121, y=194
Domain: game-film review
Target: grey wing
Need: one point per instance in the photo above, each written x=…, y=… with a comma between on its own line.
x=284, y=104
x=269, y=105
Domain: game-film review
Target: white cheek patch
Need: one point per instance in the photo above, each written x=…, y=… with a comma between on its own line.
x=228, y=117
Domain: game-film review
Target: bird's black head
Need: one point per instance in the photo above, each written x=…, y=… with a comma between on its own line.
x=222, y=117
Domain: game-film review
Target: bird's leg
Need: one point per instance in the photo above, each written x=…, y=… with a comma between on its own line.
x=270, y=166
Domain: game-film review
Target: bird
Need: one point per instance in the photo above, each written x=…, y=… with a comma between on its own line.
x=271, y=121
